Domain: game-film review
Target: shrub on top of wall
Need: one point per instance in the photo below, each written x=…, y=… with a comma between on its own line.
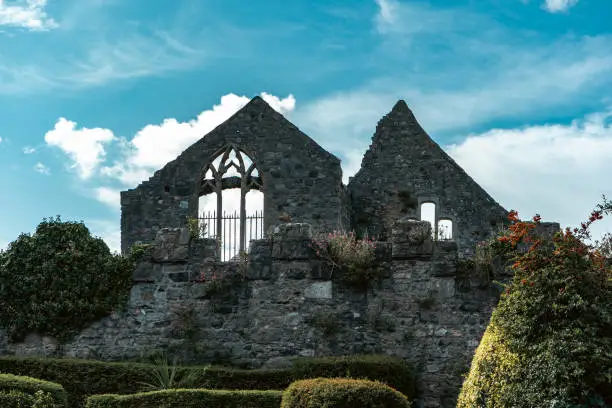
x=189, y=399
x=38, y=389
x=342, y=393
x=58, y=280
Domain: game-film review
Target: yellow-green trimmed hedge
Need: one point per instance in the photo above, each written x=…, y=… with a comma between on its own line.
x=189, y=399
x=390, y=370
x=29, y=385
x=82, y=378
x=15, y=399
x=342, y=393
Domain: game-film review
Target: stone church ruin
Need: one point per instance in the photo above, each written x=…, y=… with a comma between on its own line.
x=279, y=301
x=403, y=172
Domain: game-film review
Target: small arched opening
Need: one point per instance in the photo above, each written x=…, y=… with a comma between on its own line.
x=445, y=229
x=428, y=213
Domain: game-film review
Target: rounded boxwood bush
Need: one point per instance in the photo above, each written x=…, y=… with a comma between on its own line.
x=342, y=393
x=58, y=280
x=549, y=341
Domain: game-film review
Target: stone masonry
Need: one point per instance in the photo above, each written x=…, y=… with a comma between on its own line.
x=283, y=303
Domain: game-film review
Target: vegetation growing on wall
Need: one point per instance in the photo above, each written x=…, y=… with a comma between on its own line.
x=549, y=342
x=354, y=258
x=58, y=280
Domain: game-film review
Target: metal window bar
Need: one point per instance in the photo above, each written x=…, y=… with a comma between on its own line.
x=230, y=228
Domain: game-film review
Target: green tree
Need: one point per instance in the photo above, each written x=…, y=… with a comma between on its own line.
x=549, y=341
x=58, y=280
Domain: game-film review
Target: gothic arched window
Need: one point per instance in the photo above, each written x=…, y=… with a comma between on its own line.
x=231, y=168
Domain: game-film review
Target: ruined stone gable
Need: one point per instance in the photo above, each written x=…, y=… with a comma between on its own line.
x=404, y=168
x=299, y=178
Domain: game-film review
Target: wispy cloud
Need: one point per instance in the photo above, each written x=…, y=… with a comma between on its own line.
x=500, y=75
x=555, y=6
x=42, y=169
x=28, y=150
x=28, y=14
x=102, y=61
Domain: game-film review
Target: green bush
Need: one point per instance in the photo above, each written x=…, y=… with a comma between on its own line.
x=392, y=371
x=59, y=280
x=15, y=399
x=549, y=341
x=82, y=378
x=44, y=394
x=189, y=399
x=342, y=393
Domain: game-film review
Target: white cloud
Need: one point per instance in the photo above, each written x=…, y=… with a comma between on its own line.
x=28, y=150
x=555, y=6
x=155, y=145
x=558, y=171
x=42, y=169
x=28, y=14
x=84, y=146
x=0, y=139
x=110, y=197
x=108, y=230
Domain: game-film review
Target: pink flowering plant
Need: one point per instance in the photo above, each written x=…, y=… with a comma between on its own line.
x=353, y=257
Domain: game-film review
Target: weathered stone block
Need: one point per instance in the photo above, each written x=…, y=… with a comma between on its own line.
x=291, y=231
x=405, y=250
x=171, y=245
x=319, y=290
x=147, y=272
x=292, y=249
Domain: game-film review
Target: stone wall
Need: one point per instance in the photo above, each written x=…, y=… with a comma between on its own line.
x=299, y=177
x=284, y=303
x=404, y=168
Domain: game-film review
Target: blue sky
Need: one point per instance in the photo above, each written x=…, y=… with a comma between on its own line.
x=95, y=95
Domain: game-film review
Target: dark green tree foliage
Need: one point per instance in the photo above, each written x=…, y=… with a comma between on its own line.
x=549, y=342
x=58, y=280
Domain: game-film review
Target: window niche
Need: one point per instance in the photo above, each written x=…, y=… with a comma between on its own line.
x=428, y=213
x=445, y=229
x=231, y=201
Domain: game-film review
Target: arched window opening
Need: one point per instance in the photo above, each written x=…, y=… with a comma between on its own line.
x=231, y=202
x=445, y=229
x=428, y=213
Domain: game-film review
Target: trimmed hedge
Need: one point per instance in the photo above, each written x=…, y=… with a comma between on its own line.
x=189, y=399
x=82, y=378
x=390, y=370
x=342, y=393
x=15, y=399
x=29, y=385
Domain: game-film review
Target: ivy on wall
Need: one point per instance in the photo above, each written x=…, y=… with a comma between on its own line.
x=59, y=280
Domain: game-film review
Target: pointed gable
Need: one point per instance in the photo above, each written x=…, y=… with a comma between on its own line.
x=300, y=178
x=404, y=168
